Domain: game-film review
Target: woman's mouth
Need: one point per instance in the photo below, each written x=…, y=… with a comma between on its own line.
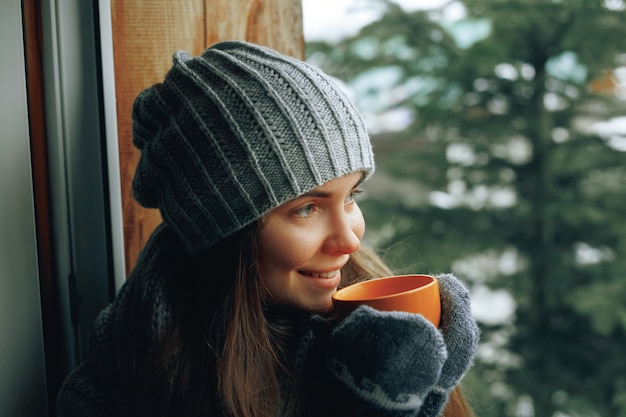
x=330, y=274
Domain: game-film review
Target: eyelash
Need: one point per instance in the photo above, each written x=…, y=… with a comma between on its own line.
x=353, y=194
x=306, y=211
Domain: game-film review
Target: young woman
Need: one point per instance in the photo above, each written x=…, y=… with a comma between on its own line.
x=253, y=159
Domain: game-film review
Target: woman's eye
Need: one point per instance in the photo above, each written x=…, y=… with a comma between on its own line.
x=351, y=197
x=304, y=211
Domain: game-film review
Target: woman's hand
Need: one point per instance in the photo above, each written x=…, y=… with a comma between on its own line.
x=390, y=360
x=398, y=363
x=461, y=335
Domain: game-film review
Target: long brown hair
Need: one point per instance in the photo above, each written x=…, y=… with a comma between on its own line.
x=224, y=353
x=219, y=356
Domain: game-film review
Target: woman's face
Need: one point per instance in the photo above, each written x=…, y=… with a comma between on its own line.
x=305, y=242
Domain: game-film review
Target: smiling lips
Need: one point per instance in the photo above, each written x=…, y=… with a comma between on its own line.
x=331, y=274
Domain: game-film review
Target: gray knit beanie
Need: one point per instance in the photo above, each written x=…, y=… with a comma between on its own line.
x=236, y=132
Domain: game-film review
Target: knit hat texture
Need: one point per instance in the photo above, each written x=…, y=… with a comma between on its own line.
x=236, y=132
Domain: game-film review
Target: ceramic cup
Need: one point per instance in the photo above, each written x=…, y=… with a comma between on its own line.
x=411, y=293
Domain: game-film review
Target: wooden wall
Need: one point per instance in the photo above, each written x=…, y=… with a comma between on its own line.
x=145, y=35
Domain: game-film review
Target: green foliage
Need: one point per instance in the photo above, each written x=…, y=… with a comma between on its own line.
x=499, y=158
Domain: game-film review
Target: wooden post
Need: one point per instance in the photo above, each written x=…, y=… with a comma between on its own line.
x=145, y=35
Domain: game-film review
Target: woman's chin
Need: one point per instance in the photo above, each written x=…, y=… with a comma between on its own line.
x=323, y=308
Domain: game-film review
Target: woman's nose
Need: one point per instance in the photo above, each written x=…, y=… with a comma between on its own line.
x=345, y=233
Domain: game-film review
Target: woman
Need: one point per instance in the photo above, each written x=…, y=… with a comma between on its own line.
x=253, y=159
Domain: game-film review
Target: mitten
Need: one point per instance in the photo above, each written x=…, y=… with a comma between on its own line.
x=388, y=361
x=460, y=334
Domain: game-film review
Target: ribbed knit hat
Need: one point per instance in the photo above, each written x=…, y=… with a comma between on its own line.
x=236, y=132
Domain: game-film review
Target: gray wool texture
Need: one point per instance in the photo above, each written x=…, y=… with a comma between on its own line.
x=399, y=363
x=236, y=132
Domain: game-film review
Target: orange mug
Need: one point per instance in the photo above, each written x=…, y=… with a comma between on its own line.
x=412, y=293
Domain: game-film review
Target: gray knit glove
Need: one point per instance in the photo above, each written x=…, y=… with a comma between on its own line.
x=461, y=335
x=399, y=364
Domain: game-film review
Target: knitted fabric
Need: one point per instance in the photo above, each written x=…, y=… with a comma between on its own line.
x=236, y=132
x=398, y=364
x=460, y=334
x=124, y=331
